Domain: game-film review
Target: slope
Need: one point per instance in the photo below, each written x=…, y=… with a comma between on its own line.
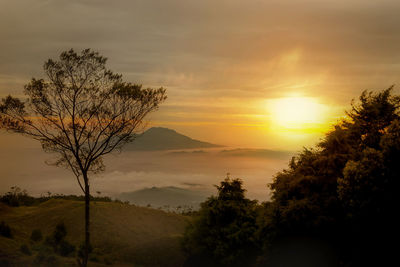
x=165, y=196
x=121, y=233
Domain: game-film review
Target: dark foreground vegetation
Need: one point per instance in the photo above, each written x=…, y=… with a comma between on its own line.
x=49, y=234
x=335, y=205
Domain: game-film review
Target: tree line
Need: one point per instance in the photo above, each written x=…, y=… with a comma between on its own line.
x=16, y=197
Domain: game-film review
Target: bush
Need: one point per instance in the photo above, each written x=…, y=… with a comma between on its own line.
x=57, y=241
x=59, y=233
x=5, y=230
x=45, y=258
x=36, y=235
x=224, y=232
x=17, y=197
x=65, y=248
x=25, y=249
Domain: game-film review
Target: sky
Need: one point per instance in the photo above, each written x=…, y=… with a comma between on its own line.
x=262, y=74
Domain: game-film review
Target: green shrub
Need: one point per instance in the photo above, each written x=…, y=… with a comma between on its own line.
x=45, y=258
x=25, y=249
x=224, y=231
x=59, y=233
x=36, y=235
x=57, y=241
x=65, y=248
x=17, y=197
x=5, y=230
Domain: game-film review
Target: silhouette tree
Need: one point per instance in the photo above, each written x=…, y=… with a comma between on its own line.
x=345, y=190
x=223, y=234
x=82, y=111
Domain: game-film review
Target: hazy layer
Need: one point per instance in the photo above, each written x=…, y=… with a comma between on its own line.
x=23, y=165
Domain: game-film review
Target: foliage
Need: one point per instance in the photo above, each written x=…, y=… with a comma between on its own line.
x=16, y=197
x=25, y=249
x=223, y=232
x=36, y=235
x=5, y=230
x=45, y=258
x=57, y=241
x=65, y=248
x=343, y=191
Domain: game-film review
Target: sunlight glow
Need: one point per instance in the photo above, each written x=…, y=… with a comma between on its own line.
x=298, y=114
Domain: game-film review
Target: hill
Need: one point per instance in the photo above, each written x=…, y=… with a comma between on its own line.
x=122, y=234
x=165, y=197
x=158, y=138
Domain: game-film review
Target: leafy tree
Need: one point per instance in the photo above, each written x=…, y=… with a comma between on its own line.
x=223, y=232
x=344, y=190
x=81, y=112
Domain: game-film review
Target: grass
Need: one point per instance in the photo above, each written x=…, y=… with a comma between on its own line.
x=122, y=234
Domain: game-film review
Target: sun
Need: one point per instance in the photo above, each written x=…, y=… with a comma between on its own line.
x=297, y=113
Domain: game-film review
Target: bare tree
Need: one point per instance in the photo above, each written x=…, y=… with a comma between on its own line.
x=82, y=111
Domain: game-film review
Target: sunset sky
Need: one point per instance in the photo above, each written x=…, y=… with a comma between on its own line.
x=271, y=74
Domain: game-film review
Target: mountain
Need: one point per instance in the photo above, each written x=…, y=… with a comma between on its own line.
x=165, y=197
x=159, y=138
x=122, y=234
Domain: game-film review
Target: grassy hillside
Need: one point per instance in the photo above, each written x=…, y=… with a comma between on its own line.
x=169, y=197
x=121, y=234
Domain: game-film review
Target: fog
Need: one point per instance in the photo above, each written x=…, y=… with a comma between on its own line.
x=23, y=165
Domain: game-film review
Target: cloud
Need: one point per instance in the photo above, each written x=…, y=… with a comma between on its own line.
x=212, y=51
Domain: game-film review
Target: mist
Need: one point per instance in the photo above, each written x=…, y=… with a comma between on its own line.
x=134, y=170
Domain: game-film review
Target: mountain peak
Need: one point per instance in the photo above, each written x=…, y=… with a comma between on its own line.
x=160, y=138
x=161, y=130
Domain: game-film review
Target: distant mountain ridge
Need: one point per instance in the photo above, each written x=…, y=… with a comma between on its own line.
x=165, y=196
x=159, y=138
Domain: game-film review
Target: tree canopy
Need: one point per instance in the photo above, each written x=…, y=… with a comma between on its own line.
x=344, y=190
x=82, y=111
x=223, y=233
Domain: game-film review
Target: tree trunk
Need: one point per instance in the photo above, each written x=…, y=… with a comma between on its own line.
x=87, y=221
